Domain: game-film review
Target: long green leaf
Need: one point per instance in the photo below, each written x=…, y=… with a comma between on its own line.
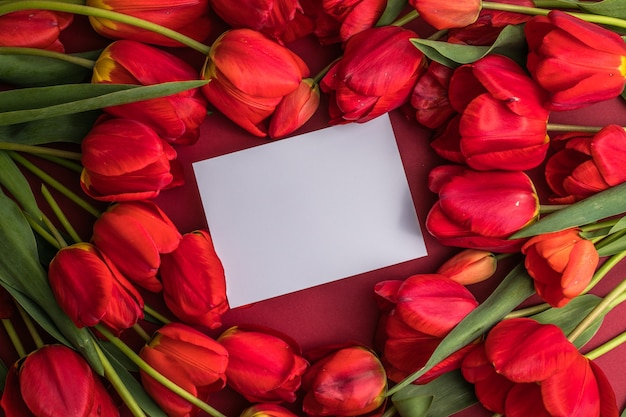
x=42, y=102
x=67, y=128
x=392, y=11
x=613, y=8
x=442, y=397
x=13, y=180
x=605, y=204
x=515, y=288
x=23, y=276
x=511, y=42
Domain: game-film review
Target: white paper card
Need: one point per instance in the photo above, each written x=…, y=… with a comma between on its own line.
x=308, y=210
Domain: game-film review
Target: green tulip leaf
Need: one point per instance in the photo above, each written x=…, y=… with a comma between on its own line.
x=391, y=13
x=511, y=42
x=568, y=317
x=515, y=288
x=612, y=248
x=67, y=128
x=27, y=104
x=36, y=71
x=612, y=8
x=620, y=225
x=442, y=397
x=605, y=204
x=13, y=180
x=25, y=279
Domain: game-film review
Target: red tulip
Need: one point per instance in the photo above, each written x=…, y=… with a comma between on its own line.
x=189, y=17
x=480, y=210
x=376, y=74
x=106, y=297
x=266, y=410
x=194, y=285
x=469, y=266
x=503, y=124
x=34, y=29
x=295, y=109
x=282, y=20
x=250, y=75
x=349, y=381
x=126, y=160
x=190, y=359
x=263, y=366
x=430, y=96
x=175, y=118
x=55, y=381
x=578, y=62
x=527, y=368
x=133, y=235
x=446, y=15
x=447, y=141
x=587, y=164
x=427, y=307
x=561, y=265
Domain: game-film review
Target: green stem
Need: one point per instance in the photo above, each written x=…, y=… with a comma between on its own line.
x=60, y=215
x=410, y=16
x=324, y=70
x=54, y=231
x=30, y=326
x=606, y=347
x=535, y=11
x=15, y=339
x=604, y=269
x=141, y=332
x=390, y=412
x=554, y=4
x=555, y=127
x=118, y=384
x=71, y=165
x=37, y=227
x=104, y=14
x=83, y=62
x=55, y=184
x=528, y=311
x=597, y=226
x=145, y=367
x=156, y=314
x=40, y=150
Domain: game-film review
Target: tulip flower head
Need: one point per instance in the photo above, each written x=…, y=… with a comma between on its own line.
x=190, y=359
x=446, y=15
x=425, y=308
x=376, y=74
x=263, y=366
x=133, y=235
x=55, y=381
x=175, y=118
x=194, y=285
x=561, y=264
x=469, y=266
x=350, y=381
x=338, y=20
x=479, y=209
x=526, y=368
x=578, y=62
x=189, y=17
x=34, y=29
x=587, y=164
x=430, y=96
x=266, y=410
x=295, y=109
x=91, y=290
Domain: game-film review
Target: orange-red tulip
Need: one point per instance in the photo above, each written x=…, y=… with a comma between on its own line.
x=481, y=209
x=267, y=410
x=350, y=381
x=194, y=285
x=526, y=368
x=55, y=381
x=469, y=266
x=578, y=62
x=34, y=29
x=107, y=297
x=124, y=160
x=446, y=15
x=376, y=74
x=426, y=308
x=587, y=164
x=250, y=75
x=295, y=109
x=561, y=265
x=133, y=235
x=189, y=17
x=190, y=359
x=263, y=366
x=175, y=118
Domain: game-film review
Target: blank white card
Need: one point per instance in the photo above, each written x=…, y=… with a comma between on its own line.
x=308, y=210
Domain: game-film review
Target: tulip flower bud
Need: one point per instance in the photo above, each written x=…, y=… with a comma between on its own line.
x=34, y=29
x=125, y=160
x=190, y=359
x=55, y=381
x=175, y=118
x=267, y=410
x=263, y=366
x=194, y=285
x=430, y=96
x=446, y=15
x=106, y=297
x=189, y=17
x=347, y=382
x=469, y=266
x=133, y=235
x=295, y=109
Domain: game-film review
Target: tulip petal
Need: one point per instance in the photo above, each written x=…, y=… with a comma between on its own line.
x=573, y=392
x=608, y=153
x=525, y=400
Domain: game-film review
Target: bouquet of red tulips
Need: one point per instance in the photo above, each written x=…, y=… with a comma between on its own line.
x=126, y=311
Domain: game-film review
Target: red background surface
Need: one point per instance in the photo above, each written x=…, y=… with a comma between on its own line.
x=344, y=310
